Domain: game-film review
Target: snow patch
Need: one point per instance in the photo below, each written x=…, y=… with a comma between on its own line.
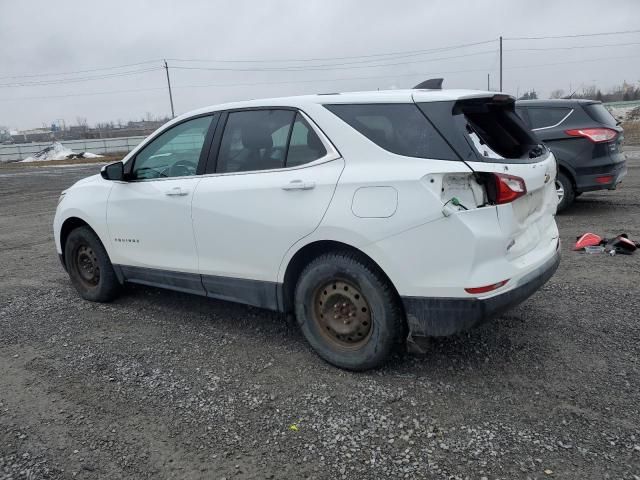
x=57, y=151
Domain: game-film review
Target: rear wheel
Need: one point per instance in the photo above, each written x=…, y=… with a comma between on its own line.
x=348, y=311
x=89, y=267
x=565, y=190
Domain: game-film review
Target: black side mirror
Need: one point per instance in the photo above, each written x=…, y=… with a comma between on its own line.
x=113, y=171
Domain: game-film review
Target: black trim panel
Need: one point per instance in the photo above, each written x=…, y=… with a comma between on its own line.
x=180, y=281
x=438, y=317
x=251, y=292
x=241, y=290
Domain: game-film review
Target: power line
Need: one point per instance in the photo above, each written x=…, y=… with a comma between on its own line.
x=247, y=84
x=89, y=94
x=399, y=54
x=338, y=66
x=77, y=79
x=295, y=67
x=572, y=48
x=315, y=80
x=81, y=71
x=573, y=61
x=293, y=60
x=573, y=36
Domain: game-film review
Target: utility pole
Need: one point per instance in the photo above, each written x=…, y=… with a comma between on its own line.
x=500, y=63
x=488, y=87
x=166, y=67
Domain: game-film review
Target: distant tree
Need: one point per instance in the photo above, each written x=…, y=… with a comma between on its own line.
x=559, y=93
x=532, y=95
x=625, y=96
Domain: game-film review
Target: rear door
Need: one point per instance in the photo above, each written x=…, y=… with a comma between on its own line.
x=268, y=183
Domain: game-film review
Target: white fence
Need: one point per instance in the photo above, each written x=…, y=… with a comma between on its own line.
x=20, y=151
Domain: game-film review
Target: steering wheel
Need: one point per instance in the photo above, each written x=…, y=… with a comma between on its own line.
x=182, y=168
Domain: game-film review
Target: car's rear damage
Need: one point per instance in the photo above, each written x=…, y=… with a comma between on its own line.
x=496, y=241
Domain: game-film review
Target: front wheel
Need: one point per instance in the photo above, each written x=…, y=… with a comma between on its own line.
x=348, y=311
x=565, y=191
x=89, y=267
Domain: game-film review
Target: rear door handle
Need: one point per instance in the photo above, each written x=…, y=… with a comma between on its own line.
x=299, y=185
x=177, y=192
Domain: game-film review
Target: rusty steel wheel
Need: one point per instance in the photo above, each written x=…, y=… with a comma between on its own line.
x=348, y=311
x=342, y=314
x=87, y=266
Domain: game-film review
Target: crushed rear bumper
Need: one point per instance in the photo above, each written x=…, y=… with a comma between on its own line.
x=438, y=317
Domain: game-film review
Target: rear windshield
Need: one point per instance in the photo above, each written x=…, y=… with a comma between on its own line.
x=399, y=128
x=496, y=131
x=600, y=114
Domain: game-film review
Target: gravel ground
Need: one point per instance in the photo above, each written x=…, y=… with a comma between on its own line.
x=165, y=385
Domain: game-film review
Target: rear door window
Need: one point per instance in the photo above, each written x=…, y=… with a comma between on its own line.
x=544, y=117
x=399, y=128
x=254, y=140
x=600, y=114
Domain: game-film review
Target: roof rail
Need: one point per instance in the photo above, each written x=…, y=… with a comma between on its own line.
x=431, y=84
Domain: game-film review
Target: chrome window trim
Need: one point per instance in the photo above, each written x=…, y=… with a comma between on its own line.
x=551, y=126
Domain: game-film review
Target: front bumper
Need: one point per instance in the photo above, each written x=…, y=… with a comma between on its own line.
x=439, y=317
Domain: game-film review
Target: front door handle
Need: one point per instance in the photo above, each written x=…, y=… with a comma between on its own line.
x=299, y=185
x=177, y=192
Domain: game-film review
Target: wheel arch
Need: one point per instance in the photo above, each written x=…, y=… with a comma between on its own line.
x=308, y=253
x=568, y=172
x=68, y=226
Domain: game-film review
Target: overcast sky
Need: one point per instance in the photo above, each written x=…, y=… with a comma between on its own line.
x=309, y=37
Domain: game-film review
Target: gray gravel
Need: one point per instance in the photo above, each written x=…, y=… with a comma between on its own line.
x=165, y=385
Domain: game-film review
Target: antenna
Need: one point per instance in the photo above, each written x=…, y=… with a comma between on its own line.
x=431, y=84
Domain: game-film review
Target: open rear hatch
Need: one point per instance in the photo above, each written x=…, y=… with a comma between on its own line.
x=516, y=169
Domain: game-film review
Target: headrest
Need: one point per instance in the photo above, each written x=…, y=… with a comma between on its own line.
x=257, y=137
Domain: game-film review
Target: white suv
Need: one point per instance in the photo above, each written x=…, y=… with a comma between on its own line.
x=372, y=216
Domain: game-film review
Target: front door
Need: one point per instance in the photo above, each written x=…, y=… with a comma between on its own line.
x=149, y=216
x=272, y=184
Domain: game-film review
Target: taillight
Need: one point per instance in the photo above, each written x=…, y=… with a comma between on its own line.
x=508, y=188
x=596, y=135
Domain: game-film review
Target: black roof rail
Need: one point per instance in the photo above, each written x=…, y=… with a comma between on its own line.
x=431, y=84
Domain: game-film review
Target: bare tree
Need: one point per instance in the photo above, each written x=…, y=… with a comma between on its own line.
x=559, y=93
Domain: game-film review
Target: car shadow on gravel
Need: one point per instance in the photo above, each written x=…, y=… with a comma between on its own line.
x=594, y=205
x=489, y=349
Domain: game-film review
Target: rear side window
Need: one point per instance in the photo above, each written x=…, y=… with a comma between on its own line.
x=304, y=146
x=542, y=117
x=397, y=127
x=600, y=114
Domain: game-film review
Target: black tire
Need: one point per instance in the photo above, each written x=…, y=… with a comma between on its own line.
x=352, y=289
x=569, y=192
x=89, y=267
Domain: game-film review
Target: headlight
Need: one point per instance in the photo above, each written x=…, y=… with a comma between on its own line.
x=61, y=197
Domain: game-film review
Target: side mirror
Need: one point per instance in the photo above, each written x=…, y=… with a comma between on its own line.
x=113, y=171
